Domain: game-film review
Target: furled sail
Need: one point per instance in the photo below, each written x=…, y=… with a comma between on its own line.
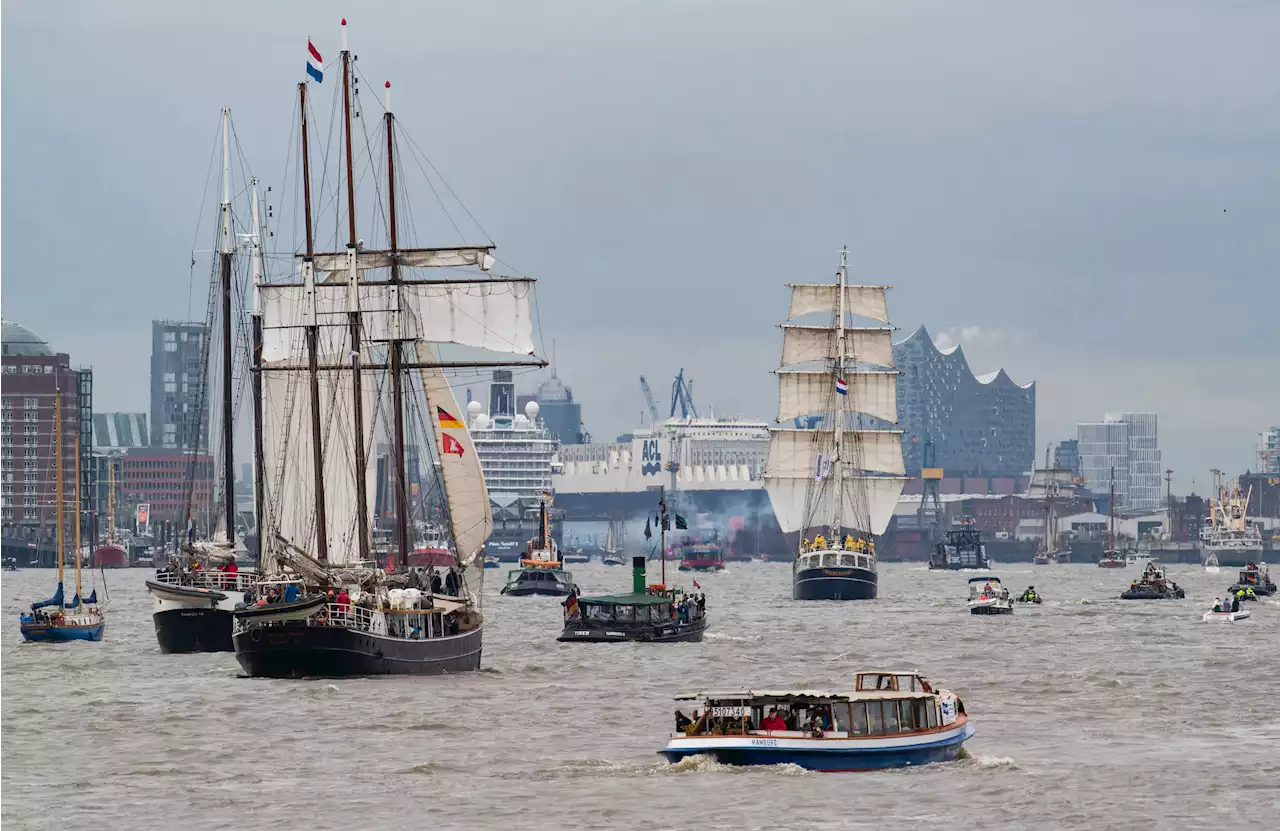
x=490, y=314
x=803, y=344
x=806, y=454
x=464, y=487
x=865, y=301
x=867, y=499
x=804, y=392
x=289, y=462
x=335, y=263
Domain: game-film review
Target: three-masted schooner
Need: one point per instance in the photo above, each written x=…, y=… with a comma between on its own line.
x=834, y=487
x=344, y=355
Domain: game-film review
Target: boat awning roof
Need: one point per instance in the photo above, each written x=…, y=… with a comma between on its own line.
x=630, y=599
x=751, y=695
x=984, y=580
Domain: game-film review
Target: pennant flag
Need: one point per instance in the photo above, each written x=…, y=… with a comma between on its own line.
x=648, y=532
x=452, y=447
x=695, y=585
x=842, y=387
x=682, y=523
x=315, y=64
x=447, y=420
x=571, y=606
x=191, y=532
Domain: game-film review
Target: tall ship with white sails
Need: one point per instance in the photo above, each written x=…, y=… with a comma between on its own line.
x=1229, y=535
x=834, y=488
x=348, y=351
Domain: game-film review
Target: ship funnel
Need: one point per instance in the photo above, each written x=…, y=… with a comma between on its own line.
x=637, y=574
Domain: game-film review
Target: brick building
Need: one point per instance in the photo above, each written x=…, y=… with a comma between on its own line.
x=159, y=476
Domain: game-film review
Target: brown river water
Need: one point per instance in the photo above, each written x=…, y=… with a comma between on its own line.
x=1091, y=712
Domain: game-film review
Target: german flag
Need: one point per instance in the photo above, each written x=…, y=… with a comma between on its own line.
x=447, y=420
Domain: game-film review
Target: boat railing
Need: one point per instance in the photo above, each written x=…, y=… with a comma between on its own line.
x=404, y=623
x=218, y=580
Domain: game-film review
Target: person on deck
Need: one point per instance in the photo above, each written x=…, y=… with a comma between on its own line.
x=819, y=542
x=290, y=593
x=1217, y=607
x=682, y=721
x=1235, y=604
x=773, y=721
x=344, y=601
x=848, y=542
x=804, y=544
x=437, y=587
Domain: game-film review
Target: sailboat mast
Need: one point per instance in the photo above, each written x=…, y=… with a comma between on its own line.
x=224, y=264
x=1111, y=509
x=313, y=337
x=77, y=516
x=837, y=463
x=396, y=359
x=662, y=532
x=57, y=442
x=353, y=312
x=111, y=500
x=258, y=473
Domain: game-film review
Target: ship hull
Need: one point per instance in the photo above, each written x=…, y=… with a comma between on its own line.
x=674, y=633
x=40, y=633
x=834, y=584
x=193, y=630
x=1234, y=557
x=303, y=651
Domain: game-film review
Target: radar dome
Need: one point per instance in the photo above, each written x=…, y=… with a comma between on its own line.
x=474, y=408
x=531, y=410
x=481, y=421
x=521, y=421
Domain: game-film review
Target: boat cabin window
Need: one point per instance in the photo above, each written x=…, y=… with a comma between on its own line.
x=931, y=712
x=840, y=710
x=859, y=718
x=828, y=560
x=890, y=713
x=874, y=681
x=907, y=683
x=906, y=715
x=598, y=612
x=920, y=713
x=848, y=561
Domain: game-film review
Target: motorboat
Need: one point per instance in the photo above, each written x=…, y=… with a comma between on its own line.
x=613, y=560
x=1254, y=580
x=1112, y=558
x=492, y=562
x=988, y=596
x=889, y=720
x=1211, y=564
x=648, y=613
x=1154, y=584
x=1225, y=617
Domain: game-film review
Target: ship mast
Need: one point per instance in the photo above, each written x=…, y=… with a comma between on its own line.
x=836, y=462
x=224, y=265
x=396, y=358
x=111, y=501
x=313, y=337
x=1111, y=507
x=353, y=311
x=77, y=520
x=57, y=441
x=255, y=260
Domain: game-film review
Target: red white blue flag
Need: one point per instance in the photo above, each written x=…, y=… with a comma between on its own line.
x=315, y=64
x=842, y=387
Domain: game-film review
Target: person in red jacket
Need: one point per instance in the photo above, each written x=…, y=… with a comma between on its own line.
x=773, y=721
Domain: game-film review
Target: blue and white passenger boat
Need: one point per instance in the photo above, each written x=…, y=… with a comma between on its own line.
x=890, y=719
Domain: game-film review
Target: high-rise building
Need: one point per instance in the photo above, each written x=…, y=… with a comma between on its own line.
x=1066, y=456
x=118, y=431
x=179, y=411
x=1269, y=451
x=560, y=414
x=1125, y=443
x=981, y=424
x=34, y=376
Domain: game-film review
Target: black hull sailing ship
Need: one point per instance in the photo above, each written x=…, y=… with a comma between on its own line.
x=834, y=487
x=347, y=358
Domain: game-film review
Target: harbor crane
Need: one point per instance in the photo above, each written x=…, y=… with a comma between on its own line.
x=682, y=397
x=648, y=397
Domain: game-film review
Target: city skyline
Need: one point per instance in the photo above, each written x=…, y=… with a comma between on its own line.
x=1088, y=247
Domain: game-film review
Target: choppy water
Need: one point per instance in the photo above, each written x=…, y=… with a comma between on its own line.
x=1091, y=712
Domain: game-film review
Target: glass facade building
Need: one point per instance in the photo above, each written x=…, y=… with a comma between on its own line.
x=1127, y=443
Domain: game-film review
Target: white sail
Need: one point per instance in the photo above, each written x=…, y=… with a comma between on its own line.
x=806, y=392
x=804, y=454
x=289, y=462
x=464, y=487
x=330, y=265
x=490, y=314
x=875, y=500
x=865, y=301
x=803, y=344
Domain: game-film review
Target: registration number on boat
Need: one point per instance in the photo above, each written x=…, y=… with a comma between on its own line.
x=764, y=742
x=730, y=712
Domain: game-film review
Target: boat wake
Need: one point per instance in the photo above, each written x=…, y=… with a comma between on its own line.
x=705, y=764
x=985, y=762
x=431, y=768
x=1212, y=570
x=721, y=636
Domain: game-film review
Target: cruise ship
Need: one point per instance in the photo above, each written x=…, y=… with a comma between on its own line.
x=707, y=464
x=1228, y=533
x=518, y=455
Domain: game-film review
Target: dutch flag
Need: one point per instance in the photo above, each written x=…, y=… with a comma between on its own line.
x=315, y=64
x=842, y=387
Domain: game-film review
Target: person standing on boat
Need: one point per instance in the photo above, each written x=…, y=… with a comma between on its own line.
x=290, y=593
x=772, y=721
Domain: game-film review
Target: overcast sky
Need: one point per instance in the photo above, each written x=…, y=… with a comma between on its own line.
x=1085, y=193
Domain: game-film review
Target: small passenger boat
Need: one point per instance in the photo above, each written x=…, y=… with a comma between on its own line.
x=963, y=548
x=1153, y=585
x=987, y=596
x=1225, y=617
x=492, y=562
x=613, y=560
x=1112, y=558
x=1253, y=581
x=889, y=720
x=704, y=552
x=652, y=614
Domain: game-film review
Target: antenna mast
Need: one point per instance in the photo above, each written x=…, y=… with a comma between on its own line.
x=353, y=312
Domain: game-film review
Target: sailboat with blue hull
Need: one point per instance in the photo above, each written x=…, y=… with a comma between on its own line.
x=80, y=619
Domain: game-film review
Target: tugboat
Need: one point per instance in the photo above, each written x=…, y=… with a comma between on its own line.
x=652, y=614
x=346, y=352
x=963, y=548
x=52, y=620
x=701, y=554
x=889, y=720
x=541, y=571
x=987, y=596
x=839, y=481
x=1253, y=580
x=1153, y=585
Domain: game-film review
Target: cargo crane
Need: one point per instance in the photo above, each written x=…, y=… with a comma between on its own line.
x=682, y=396
x=648, y=397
